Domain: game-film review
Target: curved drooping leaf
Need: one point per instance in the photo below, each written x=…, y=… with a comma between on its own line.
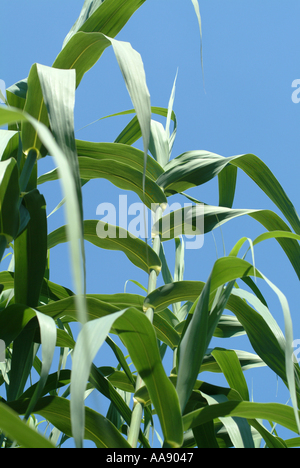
x=16, y=97
x=137, y=251
x=247, y=361
x=119, y=152
x=9, y=143
x=262, y=330
x=225, y=269
x=84, y=49
x=19, y=431
x=137, y=333
x=108, y=17
x=58, y=87
x=197, y=167
x=275, y=412
x=228, y=361
x=139, y=337
x=124, y=177
x=197, y=221
x=132, y=132
x=57, y=411
x=107, y=160
x=227, y=183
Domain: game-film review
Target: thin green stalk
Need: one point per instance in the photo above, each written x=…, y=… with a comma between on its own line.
x=137, y=412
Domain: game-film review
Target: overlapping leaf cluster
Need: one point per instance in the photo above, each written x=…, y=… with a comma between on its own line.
x=35, y=311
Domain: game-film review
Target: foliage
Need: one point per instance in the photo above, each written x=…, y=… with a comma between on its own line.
x=35, y=311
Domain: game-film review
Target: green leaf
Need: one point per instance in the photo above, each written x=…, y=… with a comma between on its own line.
x=197, y=11
x=159, y=143
x=9, y=144
x=192, y=220
x=247, y=361
x=84, y=49
x=95, y=332
x=48, y=339
x=10, y=115
x=108, y=17
x=228, y=327
x=198, y=333
x=137, y=251
x=275, y=412
x=30, y=250
x=58, y=87
x=16, y=97
x=9, y=199
x=34, y=106
x=139, y=337
x=118, y=152
x=120, y=174
x=229, y=364
x=238, y=428
x=19, y=431
x=132, y=132
x=227, y=183
x=225, y=269
x=124, y=177
x=57, y=411
x=137, y=333
x=197, y=167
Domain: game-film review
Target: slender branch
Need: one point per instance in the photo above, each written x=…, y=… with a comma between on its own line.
x=137, y=413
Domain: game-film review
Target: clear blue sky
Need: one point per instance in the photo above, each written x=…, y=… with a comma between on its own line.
x=250, y=60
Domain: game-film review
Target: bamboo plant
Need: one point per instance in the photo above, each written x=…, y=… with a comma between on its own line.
x=180, y=315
